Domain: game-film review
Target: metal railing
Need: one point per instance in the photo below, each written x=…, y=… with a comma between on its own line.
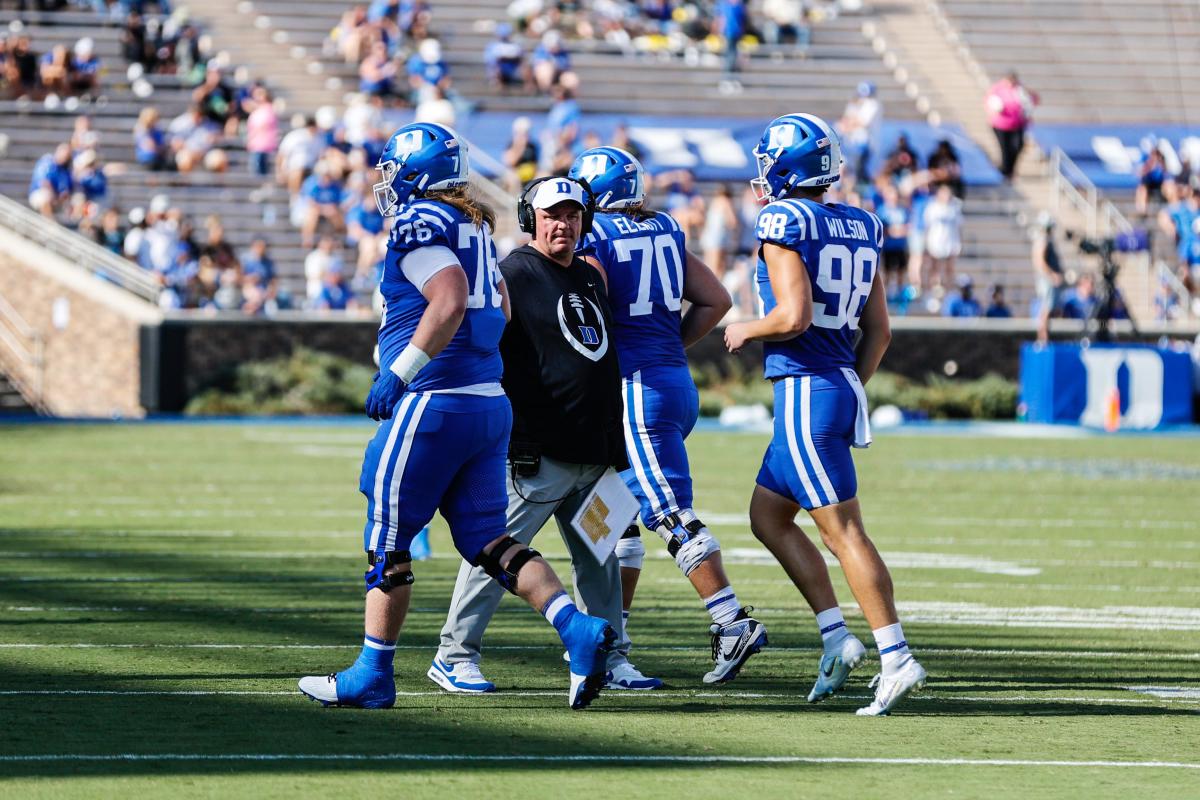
x=1069, y=183
x=25, y=344
x=105, y=265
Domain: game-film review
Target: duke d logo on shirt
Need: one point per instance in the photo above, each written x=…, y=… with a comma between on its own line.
x=582, y=325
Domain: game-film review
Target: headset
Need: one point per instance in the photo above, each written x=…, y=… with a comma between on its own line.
x=527, y=220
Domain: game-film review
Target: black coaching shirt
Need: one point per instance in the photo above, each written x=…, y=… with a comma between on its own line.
x=560, y=365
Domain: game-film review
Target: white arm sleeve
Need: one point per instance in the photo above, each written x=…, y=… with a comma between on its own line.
x=419, y=266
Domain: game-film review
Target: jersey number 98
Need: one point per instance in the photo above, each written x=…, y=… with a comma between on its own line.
x=845, y=276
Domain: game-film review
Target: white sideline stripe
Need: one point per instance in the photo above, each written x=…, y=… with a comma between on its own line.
x=1168, y=692
x=742, y=518
x=590, y=758
x=937, y=651
x=665, y=694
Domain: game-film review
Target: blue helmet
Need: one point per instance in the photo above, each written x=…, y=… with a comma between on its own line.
x=616, y=177
x=796, y=150
x=420, y=157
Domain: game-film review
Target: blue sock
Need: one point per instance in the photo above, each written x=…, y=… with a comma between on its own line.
x=377, y=654
x=559, y=610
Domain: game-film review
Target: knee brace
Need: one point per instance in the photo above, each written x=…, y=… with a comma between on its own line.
x=506, y=576
x=630, y=550
x=378, y=577
x=688, y=541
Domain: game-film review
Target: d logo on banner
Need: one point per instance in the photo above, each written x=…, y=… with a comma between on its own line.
x=1145, y=408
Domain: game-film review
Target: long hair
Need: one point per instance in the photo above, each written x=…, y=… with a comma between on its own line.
x=638, y=214
x=465, y=201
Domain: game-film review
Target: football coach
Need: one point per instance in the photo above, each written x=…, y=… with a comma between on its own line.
x=562, y=378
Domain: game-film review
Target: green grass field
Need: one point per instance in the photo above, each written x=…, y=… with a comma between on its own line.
x=162, y=587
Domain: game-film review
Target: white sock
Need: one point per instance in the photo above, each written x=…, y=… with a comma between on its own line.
x=723, y=606
x=893, y=649
x=624, y=624
x=832, y=625
x=557, y=604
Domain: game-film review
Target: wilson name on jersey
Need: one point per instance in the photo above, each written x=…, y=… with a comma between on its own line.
x=645, y=260
x=839, y=246
x=429, y=235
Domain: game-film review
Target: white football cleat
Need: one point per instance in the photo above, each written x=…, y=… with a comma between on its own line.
x=322, y=688
x=891, y=689
x=733, y=644
x=627, y=676
x=462, y=677
x=835, y=668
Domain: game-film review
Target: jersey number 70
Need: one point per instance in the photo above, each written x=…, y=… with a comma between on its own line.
x=655, y=253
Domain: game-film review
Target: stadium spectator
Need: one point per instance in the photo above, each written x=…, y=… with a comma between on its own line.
x=943, y=235
x=860, y=128
x=1049, y=273
x=298, y=153
x=51, y=184
x=435, y=107
x=902, y=163
x=217, y=247
x=505, y=60
x=54, y=70
x=962, y=303
x=150, y=144
x=262, y=132
x=366, y=230
x=90, y=183
x=521, y=155
x=214, y=96
x=335, y=294
x=351, y=34
x=895, y=215
x=918, y=274
x=427, y=70
x=137, y=47
x=1152, y=173
x=84, y=74
x=135, y=235
x=21, y=68
x=719, y=238
x=83, y=135
x=730, y=21
x=320, y=261
x=323, y=195
x=783, y=22
x=562, y=129
x=1176, y=218
x=944, y=168
x=621, y=138
x=1079, y=302
x=998, y=308
x=1010, y=108
x=552, y=63
x=377, y=72
x=110, y=233
x=193, y=138
x=260, y=286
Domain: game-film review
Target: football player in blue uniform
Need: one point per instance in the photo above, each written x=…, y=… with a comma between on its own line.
x=649, y=273
x=444, y=437
x=819, y=283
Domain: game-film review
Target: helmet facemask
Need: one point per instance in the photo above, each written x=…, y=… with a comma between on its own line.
x=762, y=185
x=385, y=194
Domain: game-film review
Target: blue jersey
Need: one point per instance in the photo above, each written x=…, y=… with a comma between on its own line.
x=839, y=246
x=646, y=261
x=428, y=235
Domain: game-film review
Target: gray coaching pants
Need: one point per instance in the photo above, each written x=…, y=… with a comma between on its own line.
x=597, y=586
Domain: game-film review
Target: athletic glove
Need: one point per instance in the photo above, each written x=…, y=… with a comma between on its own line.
x=386, y=391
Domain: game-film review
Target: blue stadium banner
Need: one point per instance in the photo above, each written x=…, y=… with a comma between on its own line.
x=1068, y=383
x=714, y=149
x=1110, y=154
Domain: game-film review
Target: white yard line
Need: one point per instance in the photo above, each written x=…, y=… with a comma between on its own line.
x=660, y=694
x=615, y=758
x=936, y=651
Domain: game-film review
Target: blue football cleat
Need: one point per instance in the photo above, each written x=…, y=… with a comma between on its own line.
x=352, y=688
x=588, y=640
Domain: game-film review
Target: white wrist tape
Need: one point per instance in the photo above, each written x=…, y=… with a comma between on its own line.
x=409, y=363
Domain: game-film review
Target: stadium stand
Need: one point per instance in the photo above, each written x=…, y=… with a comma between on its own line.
x=1092, y=61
